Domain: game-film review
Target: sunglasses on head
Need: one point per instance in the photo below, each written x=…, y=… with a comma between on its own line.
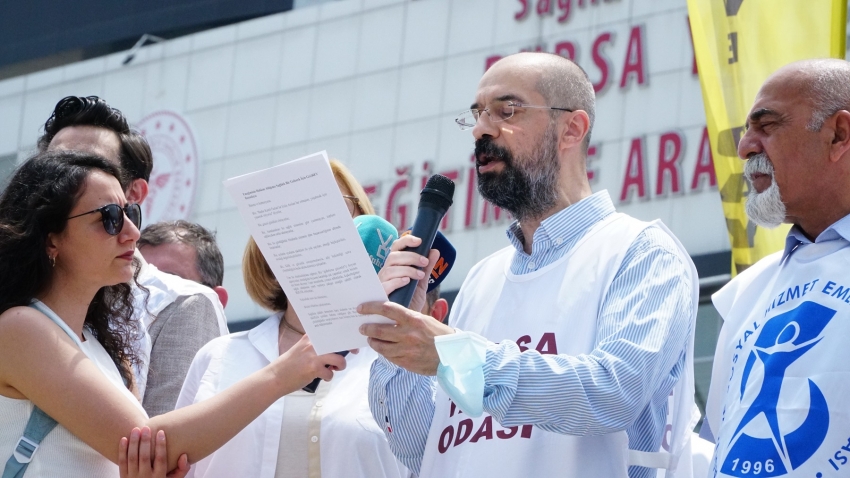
x=113, y=216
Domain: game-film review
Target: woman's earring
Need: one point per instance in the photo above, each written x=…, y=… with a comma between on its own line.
x=52, y=261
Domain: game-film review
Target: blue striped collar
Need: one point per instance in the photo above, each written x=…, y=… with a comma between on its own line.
x=559, y=232
x=838, y=230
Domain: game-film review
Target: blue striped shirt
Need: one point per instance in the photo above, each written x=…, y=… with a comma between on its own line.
x=623, y=384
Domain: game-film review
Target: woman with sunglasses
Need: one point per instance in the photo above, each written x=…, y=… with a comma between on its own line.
x=67, y=238
x=329, y=433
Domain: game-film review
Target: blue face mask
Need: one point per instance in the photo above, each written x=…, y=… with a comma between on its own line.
x=461, y=369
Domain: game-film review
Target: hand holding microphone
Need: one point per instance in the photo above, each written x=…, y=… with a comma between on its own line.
x=434, y=202
x=409, y=343
x=378, y=236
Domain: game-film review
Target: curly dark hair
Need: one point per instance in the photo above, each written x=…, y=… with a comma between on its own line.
x=135, y=155
x=37, y=202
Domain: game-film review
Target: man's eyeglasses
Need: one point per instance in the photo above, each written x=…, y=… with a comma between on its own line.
x=113, y=216
x=353, y=204
x=498, y=111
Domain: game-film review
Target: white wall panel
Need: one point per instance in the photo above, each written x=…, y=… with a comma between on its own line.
x=291, y=117
x=256, y=69
x=210, y=126
x=336, y=49
x=426, y=31
x=380, y=39
x=250, y=126
x=421, y=87
x=210, y=77
x=375, y=100
x=296, y=63
x=10, y=123
x=378, y=83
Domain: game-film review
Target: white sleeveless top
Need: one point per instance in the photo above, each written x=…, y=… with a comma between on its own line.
x=780, y=382
x=61, y=454
x=563, y=300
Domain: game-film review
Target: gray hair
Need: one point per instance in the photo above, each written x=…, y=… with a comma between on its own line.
x=564, y=84
x=432, y=297
x=829, y=89
x=210, y=263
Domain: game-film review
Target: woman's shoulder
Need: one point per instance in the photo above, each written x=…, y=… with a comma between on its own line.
x=26, y=320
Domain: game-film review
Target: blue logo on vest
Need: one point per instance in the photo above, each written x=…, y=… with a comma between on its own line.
x=783, y=339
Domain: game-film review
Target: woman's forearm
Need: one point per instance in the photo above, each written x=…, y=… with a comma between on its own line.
x=202, y=428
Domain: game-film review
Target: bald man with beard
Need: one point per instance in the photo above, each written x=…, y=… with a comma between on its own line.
x=582, y=326
x=777, y=405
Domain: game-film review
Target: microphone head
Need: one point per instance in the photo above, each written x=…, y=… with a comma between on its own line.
x=444, y=263
x=438, y=193
x=378, y=236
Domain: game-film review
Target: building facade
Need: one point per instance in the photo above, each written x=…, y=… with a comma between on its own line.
x=378, y=83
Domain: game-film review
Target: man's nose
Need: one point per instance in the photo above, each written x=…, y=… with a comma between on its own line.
x=748, y=145
x=483, y=126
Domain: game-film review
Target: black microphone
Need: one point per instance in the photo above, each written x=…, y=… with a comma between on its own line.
x=434, y=201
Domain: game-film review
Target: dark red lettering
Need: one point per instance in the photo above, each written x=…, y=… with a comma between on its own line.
x=547, y=344
x=446, y=439
x=592, y=153
x=669, y=157
x=485, y=213
x=485, y=431
x=445, y=225
x=453, y=408
x=464, y=429
x=507, y=433
x=522, y=342
x=426, y=173
x=705, y=164
x=397, y=215
x=566, y=49
x=522, y=13
x=633, y=64
x=565, y=6
x=526, y=431
x=694, y=70
x=635, y=177
x=601, y=61
x=490, y=61
x=544, y=7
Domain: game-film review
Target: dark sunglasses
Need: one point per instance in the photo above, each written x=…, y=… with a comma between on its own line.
x=113, y=216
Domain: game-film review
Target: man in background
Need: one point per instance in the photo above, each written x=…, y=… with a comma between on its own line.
x=780, y=380
x=191, y=314
x=187, y=250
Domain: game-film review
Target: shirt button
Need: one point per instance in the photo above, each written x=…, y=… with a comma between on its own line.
x=532, y=265
x=319, y=403
x=558, y=241
x=314, y=439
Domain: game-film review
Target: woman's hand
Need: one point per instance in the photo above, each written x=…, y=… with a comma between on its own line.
x=134, y=457
x=301, y=361
x=403, y=266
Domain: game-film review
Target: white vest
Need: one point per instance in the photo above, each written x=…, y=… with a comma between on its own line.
x=554, y=311
x=163, y=289
x=778, y=404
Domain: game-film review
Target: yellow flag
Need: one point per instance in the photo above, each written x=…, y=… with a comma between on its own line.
x=738, y=44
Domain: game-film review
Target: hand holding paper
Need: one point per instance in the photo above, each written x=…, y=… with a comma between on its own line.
x=300, y=222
